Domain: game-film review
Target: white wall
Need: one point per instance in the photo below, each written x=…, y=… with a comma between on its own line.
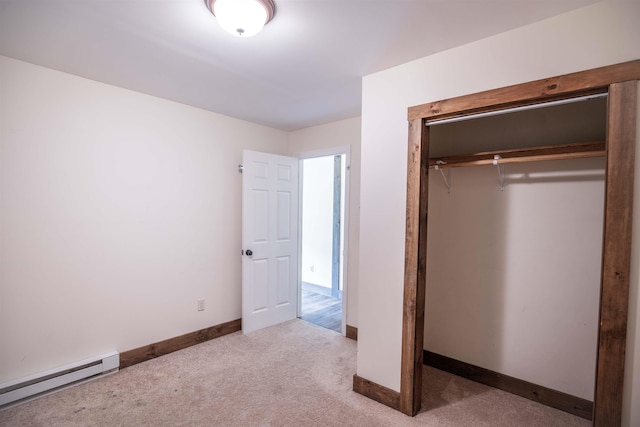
x=601, y=34
x=320, y=139
x=118, y=211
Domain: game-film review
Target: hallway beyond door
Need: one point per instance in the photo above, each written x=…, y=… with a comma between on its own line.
x=321, y=309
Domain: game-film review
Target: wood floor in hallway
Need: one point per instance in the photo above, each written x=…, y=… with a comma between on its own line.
x=322, y=310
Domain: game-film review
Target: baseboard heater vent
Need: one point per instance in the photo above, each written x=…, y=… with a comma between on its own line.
x=27, y=388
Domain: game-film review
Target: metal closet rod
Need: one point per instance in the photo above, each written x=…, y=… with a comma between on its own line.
x=516, y=109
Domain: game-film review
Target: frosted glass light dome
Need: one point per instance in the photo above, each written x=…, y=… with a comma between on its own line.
x=243, y=18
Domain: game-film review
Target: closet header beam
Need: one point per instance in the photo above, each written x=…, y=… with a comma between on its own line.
x=555, y=88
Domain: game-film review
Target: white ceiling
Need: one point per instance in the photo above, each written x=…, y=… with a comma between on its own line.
x=304, y=69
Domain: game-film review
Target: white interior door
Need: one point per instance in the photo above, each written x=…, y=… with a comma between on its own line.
x=269, y=240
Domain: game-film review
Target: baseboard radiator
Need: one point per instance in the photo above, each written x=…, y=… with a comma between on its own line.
x=27, y=388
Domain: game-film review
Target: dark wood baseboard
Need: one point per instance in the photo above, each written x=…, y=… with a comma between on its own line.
x=148, y=352
x=555, y=399
x=352, y=332
x=377, y=392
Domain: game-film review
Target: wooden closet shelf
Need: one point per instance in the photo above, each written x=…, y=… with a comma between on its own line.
x=521, y=155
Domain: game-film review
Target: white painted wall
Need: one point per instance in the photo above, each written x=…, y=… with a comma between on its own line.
x=317, y=221
x=118, y=211
x=322, y=138
x=601, y=34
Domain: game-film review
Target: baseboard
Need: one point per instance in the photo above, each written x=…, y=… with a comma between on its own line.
x=161, y=348
x=352, y=332
x=565, y=402
x=377, y=392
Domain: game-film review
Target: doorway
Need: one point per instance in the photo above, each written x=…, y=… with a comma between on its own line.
x=322, y=243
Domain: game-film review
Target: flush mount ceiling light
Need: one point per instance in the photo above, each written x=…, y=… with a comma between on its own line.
x=243, y=18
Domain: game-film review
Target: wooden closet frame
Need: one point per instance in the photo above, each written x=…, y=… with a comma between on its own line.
x=620, y=82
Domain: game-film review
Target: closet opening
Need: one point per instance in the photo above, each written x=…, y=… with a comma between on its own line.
x=516, y=204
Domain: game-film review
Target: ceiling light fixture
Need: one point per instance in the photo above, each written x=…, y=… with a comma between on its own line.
x=243, y=18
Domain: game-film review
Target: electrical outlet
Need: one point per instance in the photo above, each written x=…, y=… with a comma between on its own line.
x=200, y=305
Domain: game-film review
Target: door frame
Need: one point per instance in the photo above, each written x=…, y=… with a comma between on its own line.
x=326, y=152
x=620, y=81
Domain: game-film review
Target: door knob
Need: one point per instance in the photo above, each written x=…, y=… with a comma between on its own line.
x=249, y=252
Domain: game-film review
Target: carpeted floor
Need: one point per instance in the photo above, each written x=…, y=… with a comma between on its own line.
x=293, y=374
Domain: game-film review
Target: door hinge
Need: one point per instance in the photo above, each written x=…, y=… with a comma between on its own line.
x=240, y=167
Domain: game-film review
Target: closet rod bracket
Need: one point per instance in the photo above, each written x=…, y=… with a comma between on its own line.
x=496, y=162
x=446, y=179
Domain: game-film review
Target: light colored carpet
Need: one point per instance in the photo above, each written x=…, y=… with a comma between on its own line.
x=294, y=374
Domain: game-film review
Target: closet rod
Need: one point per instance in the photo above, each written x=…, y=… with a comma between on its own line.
x=520, y=155
x=516, y=109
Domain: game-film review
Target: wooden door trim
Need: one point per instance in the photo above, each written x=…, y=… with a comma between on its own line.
x=616, y=262
x=616, y=253
x=415, y=268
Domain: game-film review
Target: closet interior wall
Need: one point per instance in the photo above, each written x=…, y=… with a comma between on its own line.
x=513, y=275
